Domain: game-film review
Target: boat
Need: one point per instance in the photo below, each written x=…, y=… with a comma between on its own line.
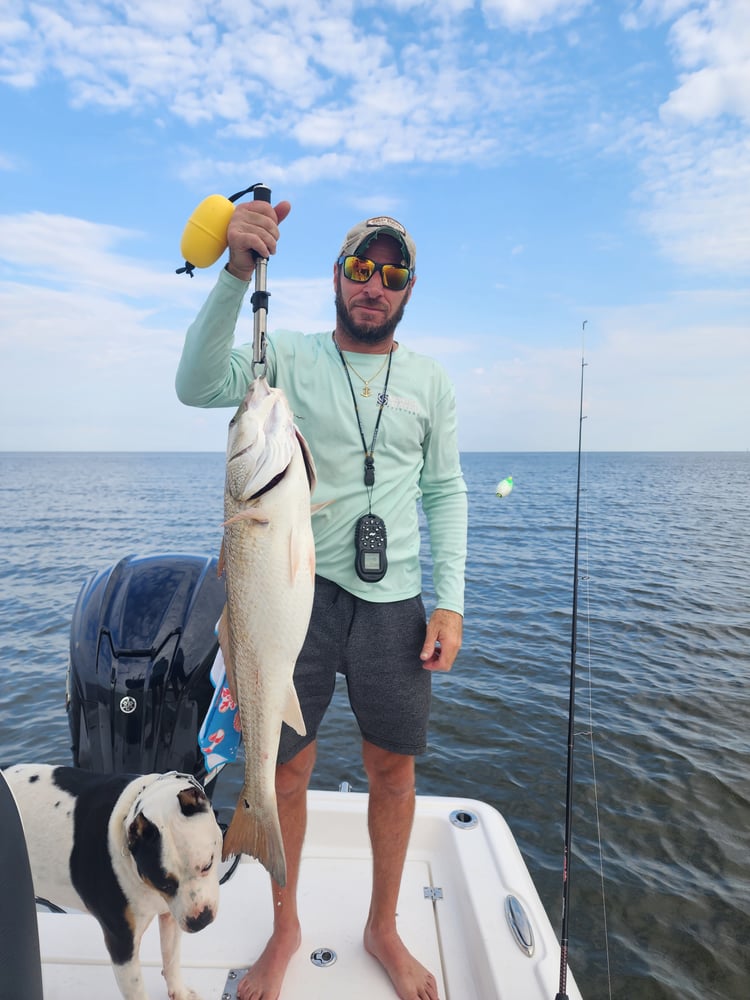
x=468, y=908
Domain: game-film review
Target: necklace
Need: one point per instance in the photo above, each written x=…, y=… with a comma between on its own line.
x=369, y=452
x=366, y=391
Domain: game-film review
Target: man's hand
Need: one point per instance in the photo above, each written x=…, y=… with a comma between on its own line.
x=442, y=640
x=253, y=231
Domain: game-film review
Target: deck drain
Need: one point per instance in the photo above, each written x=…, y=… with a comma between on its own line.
x=323, y=957
x=464, y=819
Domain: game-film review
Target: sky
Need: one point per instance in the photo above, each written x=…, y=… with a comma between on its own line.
x=575, y=173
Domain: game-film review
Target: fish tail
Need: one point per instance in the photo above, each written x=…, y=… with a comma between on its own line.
x=259, y=835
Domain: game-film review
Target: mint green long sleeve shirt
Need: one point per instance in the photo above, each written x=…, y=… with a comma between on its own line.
x=416, y=451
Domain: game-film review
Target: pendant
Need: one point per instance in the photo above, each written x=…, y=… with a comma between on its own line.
x=366, y=391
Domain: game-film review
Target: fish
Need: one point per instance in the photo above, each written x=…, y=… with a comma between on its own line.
x=268, y=560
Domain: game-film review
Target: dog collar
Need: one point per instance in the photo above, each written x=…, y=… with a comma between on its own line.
x=184, y=777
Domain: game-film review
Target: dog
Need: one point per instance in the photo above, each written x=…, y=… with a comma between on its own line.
x=125, y=848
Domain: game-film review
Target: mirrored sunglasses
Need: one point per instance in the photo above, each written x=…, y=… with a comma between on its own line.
x=362, y=269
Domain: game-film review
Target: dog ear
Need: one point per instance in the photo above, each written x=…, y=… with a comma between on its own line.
x=144, y=841
x=192, y=801
x=141, y=831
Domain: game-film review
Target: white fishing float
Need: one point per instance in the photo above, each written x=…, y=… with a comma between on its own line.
x=504, y=486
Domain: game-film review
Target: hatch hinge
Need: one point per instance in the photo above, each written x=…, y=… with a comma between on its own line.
x=433, y=892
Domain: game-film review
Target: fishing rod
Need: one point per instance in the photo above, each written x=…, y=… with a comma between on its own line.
x=564, y=935
x=260, y=296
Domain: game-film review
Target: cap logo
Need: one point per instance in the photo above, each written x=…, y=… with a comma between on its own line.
x=386, y=220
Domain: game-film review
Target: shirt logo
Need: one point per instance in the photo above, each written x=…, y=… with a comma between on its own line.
x=399, y=403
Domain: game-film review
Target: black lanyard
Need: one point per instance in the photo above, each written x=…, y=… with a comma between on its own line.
x=369, y=452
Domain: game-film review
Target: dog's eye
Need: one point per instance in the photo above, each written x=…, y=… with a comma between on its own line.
x=207, y=868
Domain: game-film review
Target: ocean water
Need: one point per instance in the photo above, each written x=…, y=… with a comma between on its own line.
x=661, y=829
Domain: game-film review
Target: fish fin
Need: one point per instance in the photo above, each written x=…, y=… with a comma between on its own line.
x=226, y=653
x=301, y=557
x=259, y=835
x=247, y=515
x=292, y=713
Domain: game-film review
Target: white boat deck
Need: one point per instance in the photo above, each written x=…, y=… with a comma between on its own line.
x=463, y=937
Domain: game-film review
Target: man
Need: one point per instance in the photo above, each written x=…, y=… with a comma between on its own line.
x=380, y=422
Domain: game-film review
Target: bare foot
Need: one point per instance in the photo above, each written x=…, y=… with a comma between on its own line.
x=409, y=977
x=263, y=979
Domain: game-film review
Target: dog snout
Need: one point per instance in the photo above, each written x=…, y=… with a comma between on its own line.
x=197, y=923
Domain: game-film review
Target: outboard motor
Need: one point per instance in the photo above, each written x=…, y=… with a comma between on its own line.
x=142, y=644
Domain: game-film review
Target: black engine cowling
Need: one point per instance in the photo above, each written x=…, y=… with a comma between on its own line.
x=142, y=643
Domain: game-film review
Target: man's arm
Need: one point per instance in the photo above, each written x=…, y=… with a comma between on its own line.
x=210, y=373
x=445, y=506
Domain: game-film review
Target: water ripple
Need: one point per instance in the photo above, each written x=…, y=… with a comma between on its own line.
x=662, y=686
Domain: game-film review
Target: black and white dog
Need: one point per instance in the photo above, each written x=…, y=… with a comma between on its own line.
x=125, y=848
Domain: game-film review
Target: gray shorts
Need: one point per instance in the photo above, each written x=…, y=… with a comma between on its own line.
x=376, y=647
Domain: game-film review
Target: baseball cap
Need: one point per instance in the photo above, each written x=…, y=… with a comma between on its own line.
x=360, y=236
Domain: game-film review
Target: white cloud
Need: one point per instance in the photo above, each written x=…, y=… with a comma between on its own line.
x=87, y=266
x=711, y=92
x=531, y=14
x=84, y=254
x=345, y=80
x=681, y=361
x=698, y=192
x=711, y=44
x=300, y=94
x=96, y=331
x=641, y=13
x=694, y=154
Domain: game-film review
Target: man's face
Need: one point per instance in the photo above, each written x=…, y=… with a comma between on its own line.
x=368, y=312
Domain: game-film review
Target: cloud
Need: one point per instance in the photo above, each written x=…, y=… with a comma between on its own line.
x=91, y=293
x=84, y=255
x=98, y=334
x=532, y=14
x=302, y=96
x=694, y=154
x=698, y=194
x=640, y=14
x=711, y=44
x=345, y=82
x=650, y=368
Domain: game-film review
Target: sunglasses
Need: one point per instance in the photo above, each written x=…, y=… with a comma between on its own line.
x=362, y=269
